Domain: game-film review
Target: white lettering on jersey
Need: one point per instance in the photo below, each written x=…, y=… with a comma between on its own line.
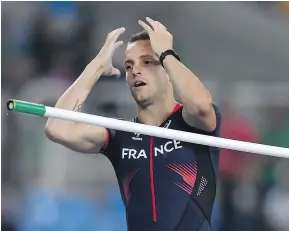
x=142, y=153
x=133, y=154
x=164, y=148
x=176, y=142
x=168, y=147
x=160, y=150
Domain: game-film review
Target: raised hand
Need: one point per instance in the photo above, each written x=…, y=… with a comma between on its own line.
x=105, y=54
x=161, y=40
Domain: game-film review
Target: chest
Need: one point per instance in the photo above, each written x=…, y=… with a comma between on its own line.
x=146, y=147
x=139, y=150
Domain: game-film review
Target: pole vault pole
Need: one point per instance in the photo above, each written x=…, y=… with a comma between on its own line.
x=45, y=111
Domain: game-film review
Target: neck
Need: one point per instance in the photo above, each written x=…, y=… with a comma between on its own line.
x=157, y=112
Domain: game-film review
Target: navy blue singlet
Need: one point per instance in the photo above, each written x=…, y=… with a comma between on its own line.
x=166, y=185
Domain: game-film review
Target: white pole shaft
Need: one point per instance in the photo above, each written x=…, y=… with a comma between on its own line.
x=167, y=133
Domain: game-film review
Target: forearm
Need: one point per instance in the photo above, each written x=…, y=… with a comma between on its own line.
x=81, y=88
x=75, y=96
x=193, y=95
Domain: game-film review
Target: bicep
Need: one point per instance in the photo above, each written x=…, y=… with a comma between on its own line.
x=205, y=121
x=86, y=138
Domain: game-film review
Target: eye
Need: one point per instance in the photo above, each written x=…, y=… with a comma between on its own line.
x=147, y=62
x=127, y=68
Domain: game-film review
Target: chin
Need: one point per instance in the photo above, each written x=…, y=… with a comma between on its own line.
x=141, y=100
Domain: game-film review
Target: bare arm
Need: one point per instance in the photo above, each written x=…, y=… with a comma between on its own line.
x=198, y=110
x=78, y=136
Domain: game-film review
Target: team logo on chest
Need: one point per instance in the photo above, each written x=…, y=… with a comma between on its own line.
x=137, y=137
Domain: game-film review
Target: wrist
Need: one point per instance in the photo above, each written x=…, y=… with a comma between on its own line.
x=97, y=63
x=95, y=68
x=168, y=54
x=163, y=50
x=168, y=59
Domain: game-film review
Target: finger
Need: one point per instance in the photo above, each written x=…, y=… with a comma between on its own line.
x=116, y=45
x=113, y=35
x=115, y=72
x=117, y=34
x=145, y=26
x=117, y=31
x=152, y=23
x=156, y=24
x=160, y=26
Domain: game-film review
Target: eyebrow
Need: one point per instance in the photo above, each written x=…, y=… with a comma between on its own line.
x=142, y=56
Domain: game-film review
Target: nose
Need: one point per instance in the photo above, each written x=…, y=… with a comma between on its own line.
x=136, y=70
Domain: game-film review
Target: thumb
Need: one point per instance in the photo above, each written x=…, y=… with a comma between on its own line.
x=116, y=72
x=116, y=45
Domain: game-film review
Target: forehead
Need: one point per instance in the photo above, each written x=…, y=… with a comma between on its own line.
x=138, y=48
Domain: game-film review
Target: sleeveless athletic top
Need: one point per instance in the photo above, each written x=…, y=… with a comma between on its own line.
x=166, y=185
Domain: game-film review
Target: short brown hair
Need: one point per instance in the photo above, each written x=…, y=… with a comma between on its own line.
x=143, y=35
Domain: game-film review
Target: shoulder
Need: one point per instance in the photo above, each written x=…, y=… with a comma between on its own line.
x=114, y=137
x=218, y=118
x=177, y=116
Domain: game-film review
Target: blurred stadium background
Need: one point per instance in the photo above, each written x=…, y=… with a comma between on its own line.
x=240, y=50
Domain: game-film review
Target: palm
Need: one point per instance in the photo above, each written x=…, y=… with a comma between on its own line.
x=111, y=70
x=105, y=54
x=161, y=40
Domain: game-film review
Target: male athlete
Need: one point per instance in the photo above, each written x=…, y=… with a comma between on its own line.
x=166, y=185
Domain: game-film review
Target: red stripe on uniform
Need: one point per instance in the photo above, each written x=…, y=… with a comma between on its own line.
x=152, y=181
x=107, y=139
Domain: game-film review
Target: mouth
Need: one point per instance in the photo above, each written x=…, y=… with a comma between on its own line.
x=139, y=84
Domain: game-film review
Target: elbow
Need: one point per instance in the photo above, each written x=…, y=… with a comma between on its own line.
x=51, y=133
x=201, y=107
x=205, y=108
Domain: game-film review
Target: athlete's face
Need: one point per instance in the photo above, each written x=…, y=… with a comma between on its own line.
x=145, y=76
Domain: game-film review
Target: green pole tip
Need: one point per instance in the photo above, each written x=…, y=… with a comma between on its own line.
x=10, y=104
x=26, y=107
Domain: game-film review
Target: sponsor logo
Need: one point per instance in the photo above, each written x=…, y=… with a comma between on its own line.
x=136, y=137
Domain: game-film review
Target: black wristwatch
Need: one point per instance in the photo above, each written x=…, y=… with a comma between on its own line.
x=166, y=53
